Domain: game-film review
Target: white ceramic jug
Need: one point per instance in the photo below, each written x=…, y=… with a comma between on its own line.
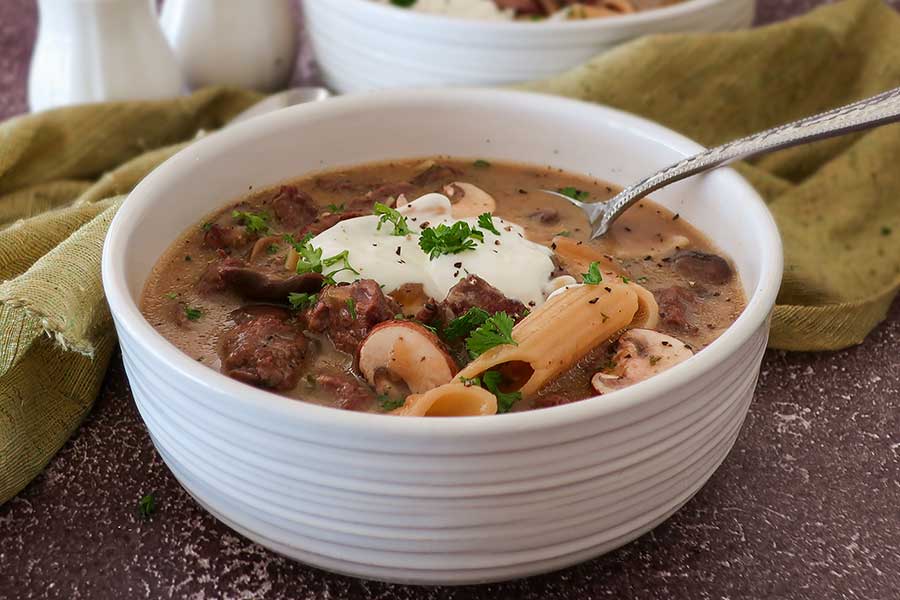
x=98, y=50
x=243, y=43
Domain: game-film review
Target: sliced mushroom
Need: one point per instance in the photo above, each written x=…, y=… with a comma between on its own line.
x=469, y=200
x=402, y=350
x=252, y=284
x=262, y=245
x=640, y=354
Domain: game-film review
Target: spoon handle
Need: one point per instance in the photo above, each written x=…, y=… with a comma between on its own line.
x=864, y=114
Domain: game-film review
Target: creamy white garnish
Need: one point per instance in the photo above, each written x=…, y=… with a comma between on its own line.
x=519, y=268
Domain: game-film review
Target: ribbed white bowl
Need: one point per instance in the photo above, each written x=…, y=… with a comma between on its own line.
x=362, y=45
x=439, y=500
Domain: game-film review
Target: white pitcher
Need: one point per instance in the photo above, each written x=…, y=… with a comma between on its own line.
x=98, y=50
x=243, y=43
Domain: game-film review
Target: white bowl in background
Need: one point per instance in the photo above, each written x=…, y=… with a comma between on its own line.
x=364, y=45
x=440, y=500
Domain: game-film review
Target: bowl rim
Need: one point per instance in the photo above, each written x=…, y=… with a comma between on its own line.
x=413, y=19
x=129, y=318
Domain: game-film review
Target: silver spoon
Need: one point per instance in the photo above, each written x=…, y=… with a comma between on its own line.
x=864, y=114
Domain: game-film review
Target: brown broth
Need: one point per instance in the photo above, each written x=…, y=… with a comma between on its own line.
x=641, y=239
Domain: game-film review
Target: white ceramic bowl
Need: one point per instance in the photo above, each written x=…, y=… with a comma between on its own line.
x=439, y=500
x=363, y=45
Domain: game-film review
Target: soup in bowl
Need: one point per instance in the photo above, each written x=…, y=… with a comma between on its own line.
x=276, y=286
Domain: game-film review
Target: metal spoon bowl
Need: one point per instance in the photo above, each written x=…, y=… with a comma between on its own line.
x=864, y=114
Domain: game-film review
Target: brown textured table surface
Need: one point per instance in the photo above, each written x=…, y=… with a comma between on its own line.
x=806, y=506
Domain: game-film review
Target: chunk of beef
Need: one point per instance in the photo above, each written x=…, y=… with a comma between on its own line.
x=261, y=285
x=435, y=173
x=702, y=267
x=225, y=237
x=389, y=192
x=676, y=307
x=349, y=392
x=293, y=207
x=548, y=216
x=211, y=279
x=265, y=348
x=475, y=291
x=522, y=7
x=328, y=220
x=348, y=312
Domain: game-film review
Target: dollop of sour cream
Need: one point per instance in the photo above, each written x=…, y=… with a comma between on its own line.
x=518, y=267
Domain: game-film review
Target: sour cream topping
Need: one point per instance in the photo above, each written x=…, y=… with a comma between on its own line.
x=519, y=268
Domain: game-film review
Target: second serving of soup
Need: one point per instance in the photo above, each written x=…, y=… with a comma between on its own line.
x=439, y=287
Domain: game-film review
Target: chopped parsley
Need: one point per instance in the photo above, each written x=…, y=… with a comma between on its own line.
x=462, y=326
x=310, y=259
x=403, y=3
x=351, y=308
x=206, y=226
x=593, y=276
x=655, y=359
x=486, y=222
x=253, y=222
x=574, y=193
x=505, y=400
x=564, y=233
x=146, y=505
x=624, y=279
x=272, y=248
x=388, y=404
x=192, y=314
x=452, y=239
x=171, y=295
x=299, y=301
x=470, y=381
x=481, y=164
x=642, y=280
x=390, y=215
x=886, y=231
x=336, y=209
x=495, y=331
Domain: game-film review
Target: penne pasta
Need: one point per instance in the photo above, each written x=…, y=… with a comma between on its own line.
x=452, y=399
x=576, y=257
x=556, y=335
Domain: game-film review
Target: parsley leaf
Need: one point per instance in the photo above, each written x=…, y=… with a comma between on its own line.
x=452, y=239
x=299, y=301
x=565, y=233
x=463, y=325
x=403, y=3
x=505, y=400
x=351, y=308
x=495, y=331
x=272, y=248
x=388, y=404
x=310, y=259
x=336, y=209
x=171, y=295
x=192, y=314
x=574, y=193
x=593, y=276
x=390, y=215
x=146, y=505
x=481, y=163
x=206, y=226
x=486, y=222
x=254, y=222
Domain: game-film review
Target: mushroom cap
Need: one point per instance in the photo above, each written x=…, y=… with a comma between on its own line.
x=640, y=354
x=409, y=351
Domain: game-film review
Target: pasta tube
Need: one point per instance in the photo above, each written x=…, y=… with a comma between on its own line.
x=452, y=399
x=556, y=335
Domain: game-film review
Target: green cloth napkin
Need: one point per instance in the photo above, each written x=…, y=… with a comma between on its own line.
x=62, y=174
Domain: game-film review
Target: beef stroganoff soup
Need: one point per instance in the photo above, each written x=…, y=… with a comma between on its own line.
x=439, y=286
